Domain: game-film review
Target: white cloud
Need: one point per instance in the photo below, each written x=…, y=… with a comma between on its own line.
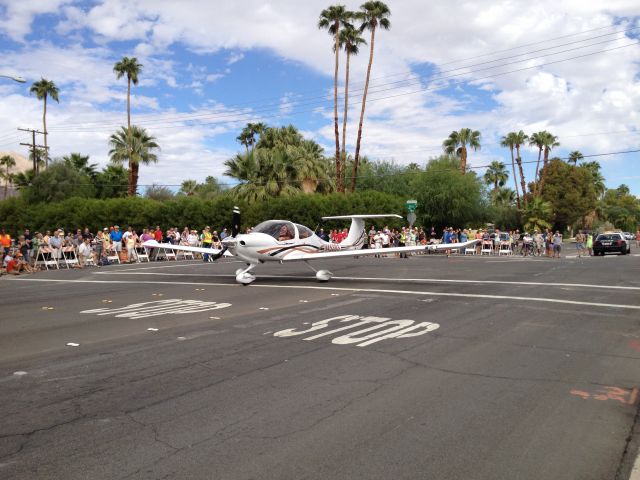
x=593, y=94
x=235, y=57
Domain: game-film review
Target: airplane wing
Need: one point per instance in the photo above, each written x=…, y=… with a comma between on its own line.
x=297, y=255
x=185, y=248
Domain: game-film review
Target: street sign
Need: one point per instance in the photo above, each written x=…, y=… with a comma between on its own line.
x=412, y=205
x=411, y=218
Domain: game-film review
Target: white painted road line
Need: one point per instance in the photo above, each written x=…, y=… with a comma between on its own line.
x=346, y=289
x=398, y=280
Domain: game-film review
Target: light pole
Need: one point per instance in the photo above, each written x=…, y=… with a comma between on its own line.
x=14, y=78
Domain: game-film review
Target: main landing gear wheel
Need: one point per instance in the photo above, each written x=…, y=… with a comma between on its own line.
x=323, y=275
x=245, y=276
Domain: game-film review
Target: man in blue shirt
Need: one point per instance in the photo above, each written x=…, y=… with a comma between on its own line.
x=116, y=239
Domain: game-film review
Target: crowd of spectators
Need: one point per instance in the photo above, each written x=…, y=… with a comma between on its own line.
x=26, y=252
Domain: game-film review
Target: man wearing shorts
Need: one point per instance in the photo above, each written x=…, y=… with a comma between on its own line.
x=557, y=244
x=580, y=243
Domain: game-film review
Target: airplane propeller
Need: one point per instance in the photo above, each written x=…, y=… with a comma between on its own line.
x=235, y=230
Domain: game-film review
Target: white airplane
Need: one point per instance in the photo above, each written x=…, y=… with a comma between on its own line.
x=285, y=241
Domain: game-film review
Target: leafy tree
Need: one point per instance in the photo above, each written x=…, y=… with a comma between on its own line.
x=621, y=208
x=575, y=157
x=279, y=137
x=446, y=196
x=537, y=215
x=549, y=141
x=496, y=175
x=332, y=19
x=133, y=145
x=158, y=192
x=58, y=182
x=570, y=191
x=374, y=14
x=81, y=163
x=457, y=142
x=8, y=162
x=504, y=197
x=44, y=89
x=351, y=40
x=111, y=182
x=209, y=189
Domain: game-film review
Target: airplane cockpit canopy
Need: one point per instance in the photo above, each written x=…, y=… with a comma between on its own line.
x=304, y=232
x=278, y=229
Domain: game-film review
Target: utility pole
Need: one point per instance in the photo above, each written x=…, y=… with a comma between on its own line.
x=34, y=147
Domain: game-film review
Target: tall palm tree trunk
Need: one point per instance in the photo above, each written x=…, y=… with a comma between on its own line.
x=356, y=157
x=339, y=170
x=44, y=124
x=523, y=183
x=543, y=174
x=133, y=176
x=535, y=188
x=515, y=180
x=346, y=105
x=463, y=160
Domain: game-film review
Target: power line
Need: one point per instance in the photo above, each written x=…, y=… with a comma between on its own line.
x=373, y=90
x=420, y=90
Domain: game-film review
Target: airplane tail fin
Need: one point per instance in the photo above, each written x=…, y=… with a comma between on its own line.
x=357, y=233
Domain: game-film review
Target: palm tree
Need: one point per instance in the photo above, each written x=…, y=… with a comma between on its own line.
x=133, y=145
x=248, y=135
x=597, y=177
x=263, y=174
x=350, y=39
x=537, y=214
x=520, y=138
x=43, y=89
x=496, y=175
x=131, y=68
x=373, y=14
x=457, y=143
x=549, y=141
x=81, y=163
x=537, y=140
x=8, y=162
x=574, y=157
x=508, y=141
x=188, y=187
x=311, y=168
x=504, y=197
x=331, y=19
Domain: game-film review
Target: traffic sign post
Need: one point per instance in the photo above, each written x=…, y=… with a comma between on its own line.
x=411, y=207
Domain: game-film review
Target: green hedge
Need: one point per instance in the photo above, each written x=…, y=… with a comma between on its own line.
x=16, y=214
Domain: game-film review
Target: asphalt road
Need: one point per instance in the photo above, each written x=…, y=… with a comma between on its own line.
x=434, y=368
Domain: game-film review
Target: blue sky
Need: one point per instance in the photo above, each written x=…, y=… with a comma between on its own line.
x=210, y=68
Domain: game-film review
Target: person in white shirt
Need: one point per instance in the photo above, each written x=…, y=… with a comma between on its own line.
x=85, y=252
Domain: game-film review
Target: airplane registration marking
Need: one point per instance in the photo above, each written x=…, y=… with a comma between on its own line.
x=159, y=307
x=376, y=329
x=622, y=395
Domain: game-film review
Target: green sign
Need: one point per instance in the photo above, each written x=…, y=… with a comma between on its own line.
x=412, y=205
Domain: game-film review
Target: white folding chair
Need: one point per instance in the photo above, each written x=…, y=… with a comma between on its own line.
x=142, y=254
x=505, y=249
x=113, y=256
x=487, y=248
x=69, y=257
x=470, y=250
x=45, y=257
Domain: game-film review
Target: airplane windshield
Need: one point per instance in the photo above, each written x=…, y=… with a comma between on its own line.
x=277, y=229
x=304, y=232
